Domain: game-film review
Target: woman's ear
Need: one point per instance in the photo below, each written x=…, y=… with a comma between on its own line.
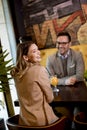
x=25, y=57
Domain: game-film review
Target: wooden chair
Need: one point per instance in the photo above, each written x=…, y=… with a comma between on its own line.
x=61, y=124
x=80, y=121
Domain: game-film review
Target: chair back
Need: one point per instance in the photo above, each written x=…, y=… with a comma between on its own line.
x=61, y=124
x=80, y=121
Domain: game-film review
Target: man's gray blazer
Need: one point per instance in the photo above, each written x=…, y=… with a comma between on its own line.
x=75, y=66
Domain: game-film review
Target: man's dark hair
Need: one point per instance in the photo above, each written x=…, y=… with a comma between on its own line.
x=64, y=33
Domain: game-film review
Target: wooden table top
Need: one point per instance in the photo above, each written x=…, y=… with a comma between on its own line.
x=71, y=94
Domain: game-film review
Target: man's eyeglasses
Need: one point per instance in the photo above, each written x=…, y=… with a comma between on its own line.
x=64, y=43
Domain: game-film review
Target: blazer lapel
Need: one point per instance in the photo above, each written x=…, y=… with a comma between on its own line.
x=70, y=62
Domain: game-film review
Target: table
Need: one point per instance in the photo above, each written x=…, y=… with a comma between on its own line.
x=69, y=96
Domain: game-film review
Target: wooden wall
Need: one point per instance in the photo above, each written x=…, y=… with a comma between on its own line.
x=43, y=19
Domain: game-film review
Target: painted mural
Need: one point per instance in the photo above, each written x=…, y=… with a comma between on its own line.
x=43, y=19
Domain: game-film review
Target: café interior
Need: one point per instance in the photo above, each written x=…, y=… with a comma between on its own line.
x=40, y=21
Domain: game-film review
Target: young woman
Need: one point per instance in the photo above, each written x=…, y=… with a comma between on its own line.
x=33, y=87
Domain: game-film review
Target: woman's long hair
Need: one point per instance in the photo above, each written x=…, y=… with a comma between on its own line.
x=21, y=64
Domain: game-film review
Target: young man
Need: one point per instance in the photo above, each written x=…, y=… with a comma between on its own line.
x=67, y=63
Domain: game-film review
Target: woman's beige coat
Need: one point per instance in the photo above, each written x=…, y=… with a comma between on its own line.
x=35, y=94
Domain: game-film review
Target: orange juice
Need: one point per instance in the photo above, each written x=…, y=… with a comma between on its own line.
x=54, y=80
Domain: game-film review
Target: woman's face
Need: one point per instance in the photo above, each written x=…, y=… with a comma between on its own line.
x=33, y=54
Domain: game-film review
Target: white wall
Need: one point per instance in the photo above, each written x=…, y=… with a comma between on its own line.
x=8, y=42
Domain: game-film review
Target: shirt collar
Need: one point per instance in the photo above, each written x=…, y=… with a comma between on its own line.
x=65, y=56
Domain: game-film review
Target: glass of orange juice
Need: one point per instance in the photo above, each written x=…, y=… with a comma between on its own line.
x=54, y=82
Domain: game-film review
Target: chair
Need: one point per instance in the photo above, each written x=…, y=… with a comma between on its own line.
x=61, y=124
x=80, y=121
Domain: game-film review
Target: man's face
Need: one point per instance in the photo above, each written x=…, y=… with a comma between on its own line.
x=63, y=44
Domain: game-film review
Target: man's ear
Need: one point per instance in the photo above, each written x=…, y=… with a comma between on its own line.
x=70, y=44
x=25, y=57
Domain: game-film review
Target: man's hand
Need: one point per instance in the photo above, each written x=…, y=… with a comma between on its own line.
x=70, y=81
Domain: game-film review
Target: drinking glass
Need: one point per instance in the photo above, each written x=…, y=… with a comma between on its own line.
x=54, y=83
